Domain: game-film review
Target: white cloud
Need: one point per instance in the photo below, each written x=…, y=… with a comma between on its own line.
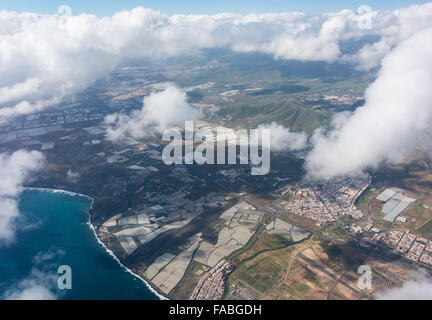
x=31, y=290
x=392, y=27
x=14, y=170
x=397, y=111
x=418, y=288
x=19, y=90
x=45, y=57
x=160, y=111
x=72, y=175
x=41, y=283
x=282, y=139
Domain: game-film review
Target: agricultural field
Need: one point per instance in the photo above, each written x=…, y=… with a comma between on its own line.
x=413, y=178
x=311, y=269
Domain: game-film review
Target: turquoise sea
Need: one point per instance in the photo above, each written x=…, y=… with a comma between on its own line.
x=53, y=231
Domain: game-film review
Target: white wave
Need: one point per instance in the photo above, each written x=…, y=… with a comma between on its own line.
x=69, y=193
x=74, y=194
x=123, y=266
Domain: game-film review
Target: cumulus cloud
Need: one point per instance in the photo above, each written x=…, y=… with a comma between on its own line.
x=393, y=28
x=43, y=60
x=46, y=57
x=282, y=139
x=14, y=171
x=41, y=283
x=418, y=288
x=397, y=111
x=160, y=111
x=72, y=175
x=35, y=287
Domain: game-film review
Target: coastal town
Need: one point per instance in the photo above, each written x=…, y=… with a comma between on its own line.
x=212, y=285
x=323, y=201
x=410, y=246
x=189, y=230
x=164, y=201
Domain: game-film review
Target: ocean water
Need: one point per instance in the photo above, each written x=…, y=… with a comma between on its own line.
x=53, y=231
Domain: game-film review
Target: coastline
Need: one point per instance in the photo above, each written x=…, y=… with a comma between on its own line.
x=92, y=227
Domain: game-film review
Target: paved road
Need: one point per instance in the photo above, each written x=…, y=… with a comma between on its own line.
x=332, y=276
x=273, y=213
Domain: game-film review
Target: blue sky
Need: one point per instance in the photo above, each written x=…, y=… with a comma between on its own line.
x=108, y=7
